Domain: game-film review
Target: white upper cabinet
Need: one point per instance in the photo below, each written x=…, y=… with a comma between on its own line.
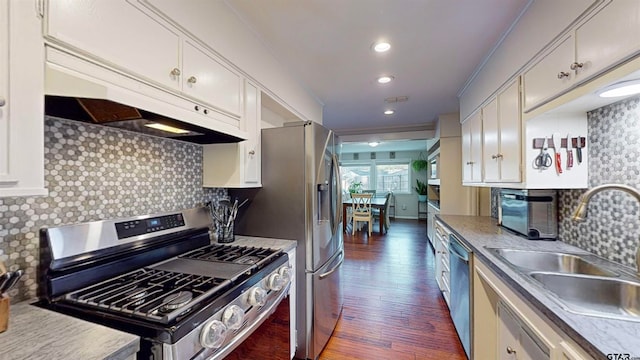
x=472, y=149
x=206, y=78
x=501, y=127
x=134, y=40
x=611, y=35
x=237, y=165
x=120, y=35
x=551, y=75
x=606, y=38
x=21, y=100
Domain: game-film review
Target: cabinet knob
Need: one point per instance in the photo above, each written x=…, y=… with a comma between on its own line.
x=576, y=66
x=469, y=162
x=497, y=156
x=192, y=80
x=175, y=72
x=510, y=350
x=252, y=152
x=563, y=74
x=2, y=102
x=196, y=108
x=206, y=111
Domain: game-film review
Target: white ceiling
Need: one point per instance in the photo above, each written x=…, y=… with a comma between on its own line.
x=436, y=46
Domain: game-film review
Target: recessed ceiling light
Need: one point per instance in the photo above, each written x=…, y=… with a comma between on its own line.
x=374, y=143
x=385, y=79
x=389, y=112
x=623, y=88
x=382, y=46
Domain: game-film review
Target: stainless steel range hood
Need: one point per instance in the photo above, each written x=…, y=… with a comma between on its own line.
x=75, y=97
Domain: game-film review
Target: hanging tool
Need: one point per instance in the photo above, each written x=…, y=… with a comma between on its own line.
x=557, y=144
x=570, y=152
x=543, y=161
x=579, y=150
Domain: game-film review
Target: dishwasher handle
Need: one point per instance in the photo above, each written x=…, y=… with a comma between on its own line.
x=458, y=249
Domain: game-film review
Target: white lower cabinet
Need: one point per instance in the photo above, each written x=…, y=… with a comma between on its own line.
x=442, y=269
x=516, y=340
x=21, y=100
x=506, y=327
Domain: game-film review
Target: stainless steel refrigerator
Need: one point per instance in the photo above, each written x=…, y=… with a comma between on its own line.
x=301, y=200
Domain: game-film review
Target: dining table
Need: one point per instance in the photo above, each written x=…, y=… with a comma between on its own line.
x=376, y=203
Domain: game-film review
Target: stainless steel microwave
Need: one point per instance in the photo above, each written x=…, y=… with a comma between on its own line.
x=531, y=213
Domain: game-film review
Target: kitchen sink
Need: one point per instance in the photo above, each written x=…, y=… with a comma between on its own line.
x=557, y=262
x=595, y=296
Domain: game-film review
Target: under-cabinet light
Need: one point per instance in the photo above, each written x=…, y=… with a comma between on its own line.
x=374, y=143
x=385, y=79
x=389, y=112
x=623, y=88
x=167, y=128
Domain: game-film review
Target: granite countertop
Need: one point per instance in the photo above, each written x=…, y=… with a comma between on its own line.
x=597, y=336
x=243, y=240
x=36, y=333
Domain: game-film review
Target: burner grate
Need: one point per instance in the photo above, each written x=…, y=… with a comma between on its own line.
x=231, y=254
x=158, y=295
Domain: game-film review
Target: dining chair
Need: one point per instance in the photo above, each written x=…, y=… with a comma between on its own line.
x=369, y=192
x=361, y=204
x=376, y=212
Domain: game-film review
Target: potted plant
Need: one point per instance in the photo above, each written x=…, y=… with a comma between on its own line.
x=421, y=189
x=419, y=165
x=355, y=187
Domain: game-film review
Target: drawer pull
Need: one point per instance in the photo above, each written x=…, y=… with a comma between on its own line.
x=563, y=74
x=510, y=350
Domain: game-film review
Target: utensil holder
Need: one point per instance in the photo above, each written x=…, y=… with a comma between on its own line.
x=4, y=313
x=224, y=232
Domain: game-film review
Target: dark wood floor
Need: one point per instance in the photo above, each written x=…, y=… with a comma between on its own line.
x=393, y=308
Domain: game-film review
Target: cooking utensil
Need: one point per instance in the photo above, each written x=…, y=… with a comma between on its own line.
x=557, y=145
x=579, y=150
x=4, y=278
x=13, y=280
x=543, y=161
x=569, y=152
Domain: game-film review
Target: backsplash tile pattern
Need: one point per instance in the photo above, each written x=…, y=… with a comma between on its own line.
x=612, y=228
x=93, y=173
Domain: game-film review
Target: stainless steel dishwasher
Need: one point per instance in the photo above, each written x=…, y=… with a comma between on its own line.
x=460, y=262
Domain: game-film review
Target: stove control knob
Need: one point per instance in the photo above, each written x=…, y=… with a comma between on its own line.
x=285, y=272
x=257, y=296
x=275, y=282
x=213, y=334
x=232, y=317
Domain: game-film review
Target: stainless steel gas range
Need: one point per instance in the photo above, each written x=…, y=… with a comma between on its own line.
x=159, y=277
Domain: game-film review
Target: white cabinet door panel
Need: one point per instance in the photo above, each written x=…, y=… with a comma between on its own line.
x=476, y=148
x=510, y=133
x=119, y=34
x=251, y=147
x=490, y=140
x=610, y=36
x=542, y=82
x=208, y=79
x=466, y=151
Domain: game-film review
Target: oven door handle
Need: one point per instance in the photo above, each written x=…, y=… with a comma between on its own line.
x=333, y=269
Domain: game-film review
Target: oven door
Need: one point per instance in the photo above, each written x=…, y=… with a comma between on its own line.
x=270, y=341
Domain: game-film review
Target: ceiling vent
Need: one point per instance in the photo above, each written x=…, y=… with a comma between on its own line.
x=396, y=99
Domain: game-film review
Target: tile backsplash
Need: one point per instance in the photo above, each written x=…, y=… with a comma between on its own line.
x=612, y=228
x=94, y=173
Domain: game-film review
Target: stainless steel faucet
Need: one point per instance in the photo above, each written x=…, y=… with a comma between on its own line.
x=581, y=211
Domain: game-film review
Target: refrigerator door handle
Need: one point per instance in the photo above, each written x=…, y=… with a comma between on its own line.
x=338, y=179
x=333, y=269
